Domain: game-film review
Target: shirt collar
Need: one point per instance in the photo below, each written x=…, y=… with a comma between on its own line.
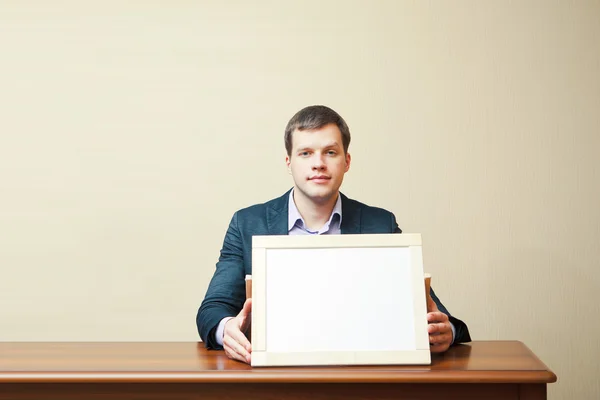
x=294, y=217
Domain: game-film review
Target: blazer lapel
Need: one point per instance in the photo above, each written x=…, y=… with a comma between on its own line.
x=350, y=217
x=277, y=216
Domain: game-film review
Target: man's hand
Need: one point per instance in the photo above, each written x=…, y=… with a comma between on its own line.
x=439, y=328
x=235, y=343
x=440, y=332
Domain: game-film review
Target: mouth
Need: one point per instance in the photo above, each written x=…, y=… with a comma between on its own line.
x=319, y=179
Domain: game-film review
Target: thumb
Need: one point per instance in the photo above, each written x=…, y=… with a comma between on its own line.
x=431, y=306
x=247, y=309
x=244, y=315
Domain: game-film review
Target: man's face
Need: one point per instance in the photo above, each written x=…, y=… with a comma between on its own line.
x=318, y=163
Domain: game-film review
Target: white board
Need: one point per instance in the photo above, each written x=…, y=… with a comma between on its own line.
x=338, y=299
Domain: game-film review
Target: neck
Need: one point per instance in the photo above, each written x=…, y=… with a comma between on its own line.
x=315, y=214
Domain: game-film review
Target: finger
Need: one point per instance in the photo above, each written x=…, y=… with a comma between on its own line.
x=247, y=308
x=438, y=328
x=234, y=355
x=235, y=350
x=439, y=343
x=245, y=315
x=436, y=316
x=431, y=306
x=233, y=328
x=440, y=339
x=240, y=338
x=439, y=348
x=245, y=324
x=231, y=353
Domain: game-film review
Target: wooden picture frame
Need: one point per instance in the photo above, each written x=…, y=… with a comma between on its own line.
x=338, y=300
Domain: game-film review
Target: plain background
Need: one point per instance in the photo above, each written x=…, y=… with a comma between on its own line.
x=130, y=133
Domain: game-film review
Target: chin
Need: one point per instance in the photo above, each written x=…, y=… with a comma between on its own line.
x=321, y=197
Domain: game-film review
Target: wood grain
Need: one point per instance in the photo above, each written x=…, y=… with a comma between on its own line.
x=478, y=362
x=185, y=371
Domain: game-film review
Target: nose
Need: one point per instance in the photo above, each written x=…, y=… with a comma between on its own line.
x=318, y=163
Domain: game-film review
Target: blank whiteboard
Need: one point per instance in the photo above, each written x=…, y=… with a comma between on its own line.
x=338, y=300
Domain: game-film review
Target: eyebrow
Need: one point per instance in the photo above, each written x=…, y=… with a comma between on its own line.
x=330, y=145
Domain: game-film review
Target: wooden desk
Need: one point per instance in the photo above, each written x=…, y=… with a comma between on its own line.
x=480, y=370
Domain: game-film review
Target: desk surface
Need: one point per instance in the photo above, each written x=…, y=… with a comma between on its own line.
x=477, y=362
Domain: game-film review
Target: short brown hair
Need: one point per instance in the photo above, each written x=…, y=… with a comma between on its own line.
x=315, y=117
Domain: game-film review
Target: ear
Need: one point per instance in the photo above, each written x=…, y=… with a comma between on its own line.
x=348, y=159
x=287, y=161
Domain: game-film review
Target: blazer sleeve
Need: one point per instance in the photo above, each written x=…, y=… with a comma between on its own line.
x=226, y=292
x=462, y=331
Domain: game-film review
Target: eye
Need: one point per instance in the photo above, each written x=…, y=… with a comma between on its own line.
x=331, y=153
x=303, y=154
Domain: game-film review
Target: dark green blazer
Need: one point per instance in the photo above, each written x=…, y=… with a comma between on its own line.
x=227, y=292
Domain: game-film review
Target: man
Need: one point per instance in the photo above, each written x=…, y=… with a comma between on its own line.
x=316, y=141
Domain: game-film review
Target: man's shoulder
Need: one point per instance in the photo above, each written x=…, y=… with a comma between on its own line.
x=365, y=208
x=370, y=219
x=277, y=204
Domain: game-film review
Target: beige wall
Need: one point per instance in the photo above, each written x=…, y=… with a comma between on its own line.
x=129, y=134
